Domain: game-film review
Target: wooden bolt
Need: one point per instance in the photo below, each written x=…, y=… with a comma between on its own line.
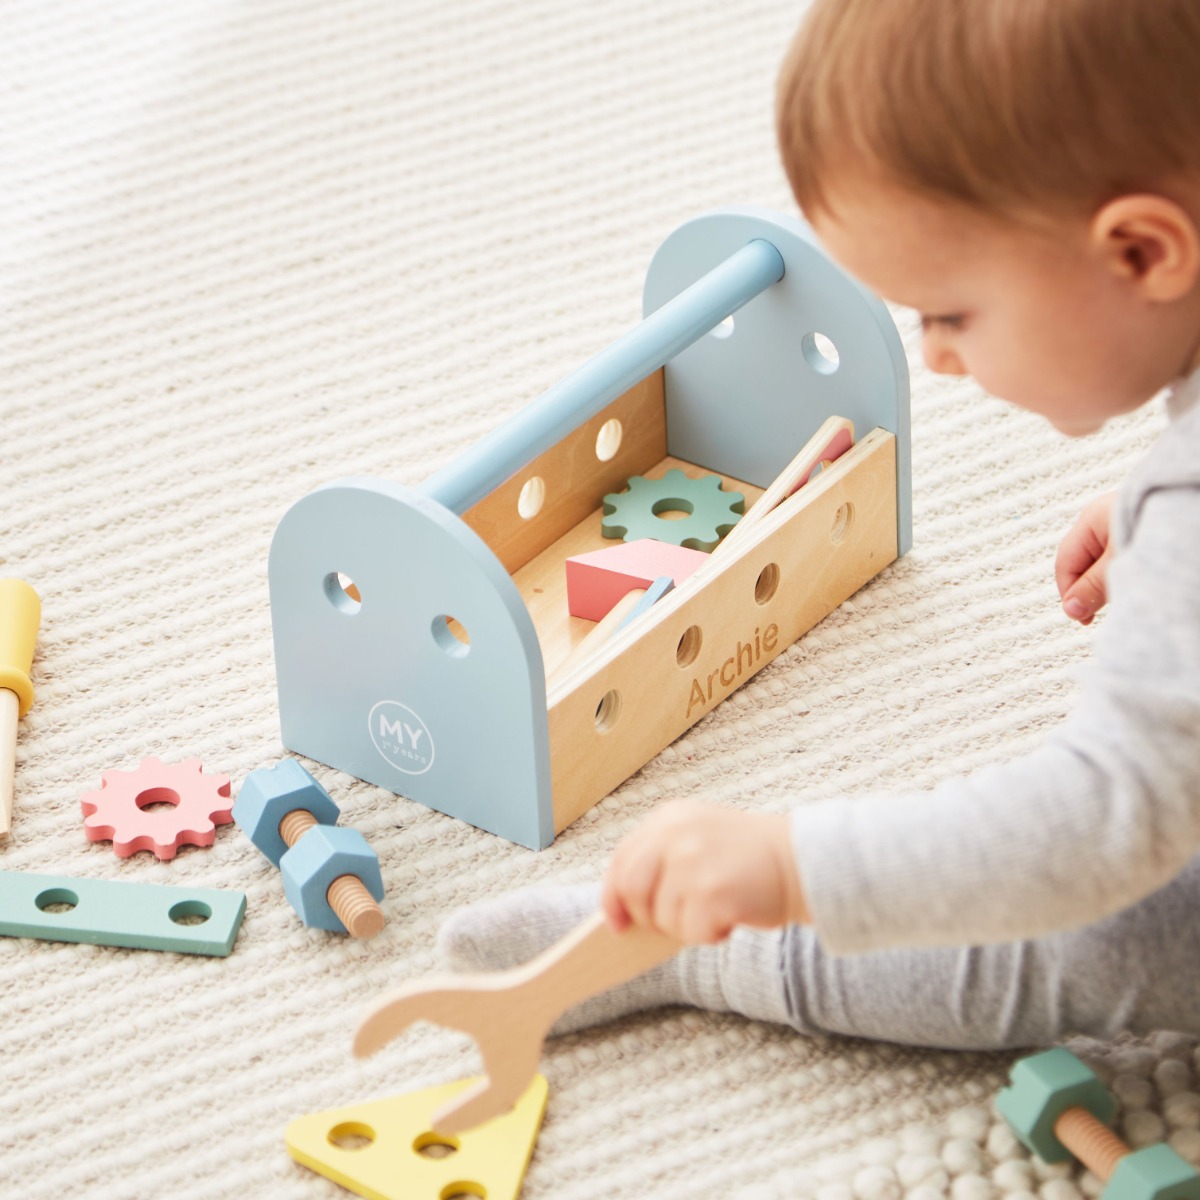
x=347, y=894
x=1057, y=1107
x=1091, y=1141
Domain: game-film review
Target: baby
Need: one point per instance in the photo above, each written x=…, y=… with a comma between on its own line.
x=1026, y=174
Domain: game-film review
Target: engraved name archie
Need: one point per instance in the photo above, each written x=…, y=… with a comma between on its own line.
x=744, y=661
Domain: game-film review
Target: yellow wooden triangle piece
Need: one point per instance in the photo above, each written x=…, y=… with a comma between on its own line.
x=386, y=1149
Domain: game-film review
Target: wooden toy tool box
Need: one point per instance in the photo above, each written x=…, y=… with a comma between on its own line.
x=415, y=628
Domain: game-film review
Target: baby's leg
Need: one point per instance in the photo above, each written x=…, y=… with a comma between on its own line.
x=743, y=974
x=1137, y=971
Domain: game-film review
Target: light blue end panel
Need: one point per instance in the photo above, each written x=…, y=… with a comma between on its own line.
x=744, y=398
x=382, y=688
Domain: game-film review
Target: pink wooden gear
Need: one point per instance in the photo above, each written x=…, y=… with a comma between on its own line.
x=158, y=807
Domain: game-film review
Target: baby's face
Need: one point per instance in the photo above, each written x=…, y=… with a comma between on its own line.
x=1034, y=314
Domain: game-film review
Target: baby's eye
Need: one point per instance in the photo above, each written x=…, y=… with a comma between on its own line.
x=950, y=321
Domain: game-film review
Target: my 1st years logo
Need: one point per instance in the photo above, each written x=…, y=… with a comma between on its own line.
x=401, y=737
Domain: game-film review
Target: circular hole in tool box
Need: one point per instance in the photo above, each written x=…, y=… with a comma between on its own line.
x=766, y=583
x=463, y=1191
x=157, y=799
x=189, y=912
x=451, y=635
x=56, y=900
x=532, y=497
x=343, y=592
x=608, y=440
x=723, y=330
x=435, y=1145
x=842, y=520
x=351, y=1135
x=689, y=646
x=820, y=353
x=608, y=711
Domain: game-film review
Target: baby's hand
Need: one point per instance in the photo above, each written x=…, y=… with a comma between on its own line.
x=1082, y=562
x=694, y=871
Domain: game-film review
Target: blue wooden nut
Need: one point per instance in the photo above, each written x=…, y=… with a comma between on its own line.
x=1155, y=1173
x=1043, y=1087
x=267, y=796
x=323, y=854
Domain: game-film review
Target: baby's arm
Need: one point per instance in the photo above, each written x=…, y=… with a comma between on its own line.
x=1103, y=813
x=1106, y=811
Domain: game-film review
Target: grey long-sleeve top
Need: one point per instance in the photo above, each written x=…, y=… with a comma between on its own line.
x=1103, y=813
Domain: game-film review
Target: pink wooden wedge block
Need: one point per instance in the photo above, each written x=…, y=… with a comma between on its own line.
x=598, y=579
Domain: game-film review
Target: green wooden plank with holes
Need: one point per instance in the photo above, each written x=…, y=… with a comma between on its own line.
x=140, y=916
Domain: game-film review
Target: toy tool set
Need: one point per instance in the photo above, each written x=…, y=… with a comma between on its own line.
x=137, y=916
x=331, y=876
x=513, y=638
x=416, y=628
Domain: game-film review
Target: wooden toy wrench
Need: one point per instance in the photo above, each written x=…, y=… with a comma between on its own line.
x=509, y=1013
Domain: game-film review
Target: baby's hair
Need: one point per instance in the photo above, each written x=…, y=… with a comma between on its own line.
x=1012, y=106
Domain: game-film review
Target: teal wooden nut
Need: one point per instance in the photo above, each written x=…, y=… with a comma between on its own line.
x=1155, y=1173
x=325, y=854
x=267, y=796
x=1042, y=1088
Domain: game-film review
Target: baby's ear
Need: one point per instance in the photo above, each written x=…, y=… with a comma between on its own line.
x=1150, y=241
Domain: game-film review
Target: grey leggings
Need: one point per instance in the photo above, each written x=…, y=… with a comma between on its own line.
x=1137, y=971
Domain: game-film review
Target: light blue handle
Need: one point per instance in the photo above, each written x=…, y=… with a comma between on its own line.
x=478, y=471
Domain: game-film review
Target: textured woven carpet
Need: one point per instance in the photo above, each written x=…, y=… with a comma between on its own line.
x=248, y=248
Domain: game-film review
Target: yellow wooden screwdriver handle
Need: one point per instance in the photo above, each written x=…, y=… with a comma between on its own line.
x=20, y=613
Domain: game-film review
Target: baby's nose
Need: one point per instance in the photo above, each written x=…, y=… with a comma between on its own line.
x=941, y=358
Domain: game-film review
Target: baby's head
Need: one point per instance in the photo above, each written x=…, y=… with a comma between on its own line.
x=1025, y=173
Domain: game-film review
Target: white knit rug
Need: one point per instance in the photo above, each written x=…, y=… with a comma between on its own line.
x=246, y=249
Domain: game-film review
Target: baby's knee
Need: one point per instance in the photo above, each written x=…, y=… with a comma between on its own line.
x=1136, y=971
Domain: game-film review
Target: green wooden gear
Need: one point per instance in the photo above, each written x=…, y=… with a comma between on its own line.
x=640, y=512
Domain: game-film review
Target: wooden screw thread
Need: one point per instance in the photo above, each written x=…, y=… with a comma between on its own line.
x=297, y=823
x=1091, y=1141
x=347, y=894
x=355, y=906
